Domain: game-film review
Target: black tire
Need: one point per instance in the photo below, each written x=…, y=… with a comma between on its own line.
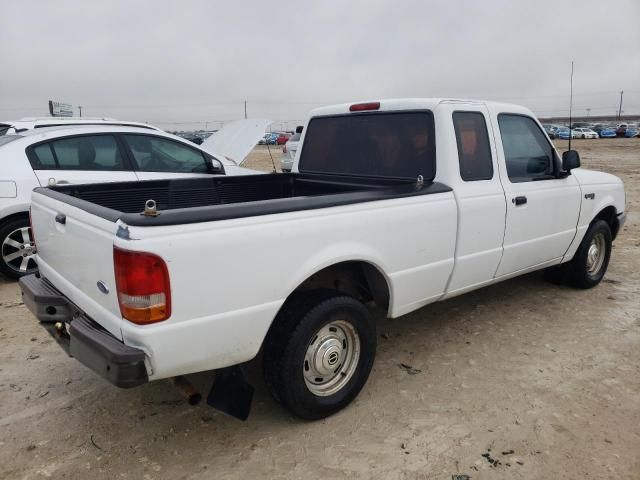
x=578, y=273
x=11, y=268
x=295, y=329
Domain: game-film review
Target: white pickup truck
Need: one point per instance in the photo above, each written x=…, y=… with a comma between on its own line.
x=400, y=203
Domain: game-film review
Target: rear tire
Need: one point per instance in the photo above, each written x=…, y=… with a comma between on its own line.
x=17, y=249
x=319, y=353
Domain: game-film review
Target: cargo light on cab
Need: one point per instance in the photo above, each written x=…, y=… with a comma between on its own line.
x=360, y=107
x=142, y=282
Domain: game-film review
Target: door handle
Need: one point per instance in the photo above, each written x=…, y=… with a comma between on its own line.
x=61, y=219
x=521, y=200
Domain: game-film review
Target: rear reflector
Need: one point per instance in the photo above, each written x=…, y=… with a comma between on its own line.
x=359, y=107
x=142, y=282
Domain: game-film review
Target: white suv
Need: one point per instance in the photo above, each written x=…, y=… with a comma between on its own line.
x=97, y=154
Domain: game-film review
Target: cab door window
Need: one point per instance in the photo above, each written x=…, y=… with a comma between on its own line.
x=528, y=154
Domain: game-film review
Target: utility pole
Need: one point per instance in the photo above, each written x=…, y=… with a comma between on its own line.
x=245, y=109
x=620, y=108
x=588, y=112
x=80, y=108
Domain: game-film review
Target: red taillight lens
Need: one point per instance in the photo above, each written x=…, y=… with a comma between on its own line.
x=142, y=282
x=359, y=107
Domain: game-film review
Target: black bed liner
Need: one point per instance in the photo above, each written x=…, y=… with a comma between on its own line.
x=193, y=200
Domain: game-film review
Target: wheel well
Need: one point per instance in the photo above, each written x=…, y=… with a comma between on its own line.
x=356, y=278
x=14, y=216
x=609, y=215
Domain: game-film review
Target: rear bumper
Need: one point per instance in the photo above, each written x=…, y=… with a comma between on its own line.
x=81, y=337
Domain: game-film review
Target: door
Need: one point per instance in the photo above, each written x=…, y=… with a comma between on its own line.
x=80, y=159
x=543, y=203
x=157, y=157
x=474, y=176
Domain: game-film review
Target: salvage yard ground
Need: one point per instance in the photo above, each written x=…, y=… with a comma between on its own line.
x=520, y=380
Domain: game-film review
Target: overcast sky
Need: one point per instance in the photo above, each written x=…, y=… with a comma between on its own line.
x=181, y=64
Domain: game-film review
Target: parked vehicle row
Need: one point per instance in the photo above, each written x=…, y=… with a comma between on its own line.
x=275, y=138
x=586, y=130
x=375, y=210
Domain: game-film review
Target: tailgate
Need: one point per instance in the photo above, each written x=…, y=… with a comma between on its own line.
x=75, y=253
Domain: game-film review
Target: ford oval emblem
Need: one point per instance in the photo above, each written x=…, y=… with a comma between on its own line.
x=103, y=287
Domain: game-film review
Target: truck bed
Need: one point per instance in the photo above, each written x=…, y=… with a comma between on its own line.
x=192, y=200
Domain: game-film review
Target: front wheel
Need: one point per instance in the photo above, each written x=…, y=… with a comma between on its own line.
x=590, y=262
x=17, y=249
x=319, y=353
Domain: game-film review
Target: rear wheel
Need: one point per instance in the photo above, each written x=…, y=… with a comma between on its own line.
x=319, y=353
x=17, y=249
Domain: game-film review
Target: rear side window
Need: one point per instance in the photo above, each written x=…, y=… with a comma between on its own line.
x=528, y=153
x=400, y=145
x=86, y=152
x=44, y=156
x=474, y=149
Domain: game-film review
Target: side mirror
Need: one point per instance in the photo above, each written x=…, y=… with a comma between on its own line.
x=214, y=165
x=570, y=160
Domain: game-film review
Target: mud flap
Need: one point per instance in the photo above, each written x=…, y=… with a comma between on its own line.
x=230, y=393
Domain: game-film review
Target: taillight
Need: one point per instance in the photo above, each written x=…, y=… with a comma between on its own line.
x=359, y=107
x=142, y=282
x=33, y=232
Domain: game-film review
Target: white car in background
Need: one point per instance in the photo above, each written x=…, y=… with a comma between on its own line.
x=11, y=127
x=102, y=153
x=582, y=132
x=289, y=152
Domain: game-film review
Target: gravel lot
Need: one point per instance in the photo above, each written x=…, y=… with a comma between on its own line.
x=543, y=380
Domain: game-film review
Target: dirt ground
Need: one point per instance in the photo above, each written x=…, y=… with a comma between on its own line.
x=544, y=380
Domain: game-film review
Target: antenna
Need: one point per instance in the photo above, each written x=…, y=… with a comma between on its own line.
x=570, y=105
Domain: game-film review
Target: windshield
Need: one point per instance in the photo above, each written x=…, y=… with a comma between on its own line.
x=396, y=145
x=8, y=138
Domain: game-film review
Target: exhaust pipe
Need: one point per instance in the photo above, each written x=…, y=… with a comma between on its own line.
x=188, y=391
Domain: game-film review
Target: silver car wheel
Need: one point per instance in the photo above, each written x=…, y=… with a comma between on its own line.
x=18, y=251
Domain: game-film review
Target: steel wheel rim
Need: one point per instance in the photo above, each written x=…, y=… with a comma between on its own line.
x=331, y=358
x=596, y=254
x=19, y=250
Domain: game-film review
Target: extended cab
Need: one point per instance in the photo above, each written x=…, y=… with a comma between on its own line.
x=398, y=202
